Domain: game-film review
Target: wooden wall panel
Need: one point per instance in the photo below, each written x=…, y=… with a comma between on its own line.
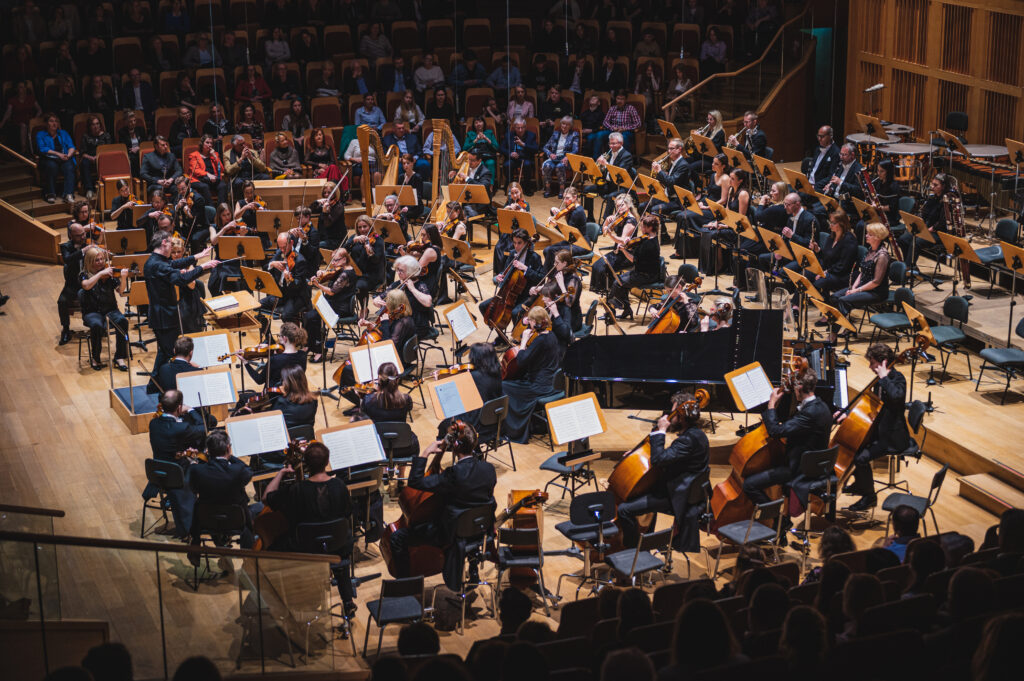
x=937, y=56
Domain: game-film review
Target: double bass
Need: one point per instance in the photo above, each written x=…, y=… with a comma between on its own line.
x=513, y=281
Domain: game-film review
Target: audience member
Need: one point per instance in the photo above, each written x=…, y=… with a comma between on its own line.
x=109, y=662
x=418, y=638
x=627, y=664
x=804, y=642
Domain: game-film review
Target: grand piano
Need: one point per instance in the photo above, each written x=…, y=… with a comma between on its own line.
x=643, y=371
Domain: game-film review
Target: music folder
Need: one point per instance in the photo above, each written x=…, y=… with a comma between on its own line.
x=257, y=433
x=209, y=346
x=749, y=386
x=207, y=387
x=352, y=445
x=575, y=418
x=454, y=395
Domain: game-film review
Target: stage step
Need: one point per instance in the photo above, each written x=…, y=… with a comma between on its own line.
x=992, y=494
x=1010, y=473
x=19, y=193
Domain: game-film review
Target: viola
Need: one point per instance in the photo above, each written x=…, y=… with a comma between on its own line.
x=499, y=313
x=517, y=330
x=258, y=201
x=93, y=231
x=415, y=248
x=255, y=352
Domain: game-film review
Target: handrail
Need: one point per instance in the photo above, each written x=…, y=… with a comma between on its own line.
x=135, y=545
x=749, y=66
x=31, y=510
x=17, y=156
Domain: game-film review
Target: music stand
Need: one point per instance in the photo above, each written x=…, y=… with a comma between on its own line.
x=807, y=290
x=668, y=129
x=620, y=176
x=273, y=222
x=767, y=169
x=705, y=146
x=509, y=219
x=405, y=193
x=234, y=316
x=584, y=165
x=827, y=202
x=872, y=127
x=836, y=317
x=865, y=210
x=244, y=247
x=325, y=255
x=122, y=241
x=1014, y=259
x=953, y=146
x=737, y=159
x=798, y=181
x=917, y=228
x=921, y=328
x=134, y=263
x=469, y=193
x=963, y=255
x=462, y=323
x=390, y=230
x=775, y=243
x=806, y=258
x=261, y=281
x=686, y=199
x=653, y=188
x=459, y=251
x=138, y=295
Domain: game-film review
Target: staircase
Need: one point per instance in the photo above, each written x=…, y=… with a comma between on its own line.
x=19, y=188
x=996, y=492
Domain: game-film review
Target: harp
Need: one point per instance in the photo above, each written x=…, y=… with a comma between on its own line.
x=385, y=164
x=445, y=161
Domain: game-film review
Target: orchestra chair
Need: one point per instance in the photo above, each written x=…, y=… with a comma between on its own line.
x=895, y=323
x=897, y=278
x=919, y=504
x=632, y=563
x=648, y=292
x=753, y=532
x=85, y=337
x=346, y=329
x=817, y=474
x=400, y=601
x=700, y=495
x=991, y=257
x=590, y=522
x=589, y=321
x=166, y=476
x=333, y=537
x=509, y=540
x=915, y=418
x=540, y=414
x=492, y=417
x=949, y=337
x=394, y=435
x=214, y=520
x=473, y=527
x=303, y=431
x=1008, y=360
x=413, y=371
x=572, y=477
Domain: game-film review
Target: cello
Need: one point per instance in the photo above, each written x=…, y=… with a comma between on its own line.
x=513, y=281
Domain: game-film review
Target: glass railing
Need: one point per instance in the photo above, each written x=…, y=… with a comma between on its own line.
x=254, y=612
x=22, y=597
x=744, y=87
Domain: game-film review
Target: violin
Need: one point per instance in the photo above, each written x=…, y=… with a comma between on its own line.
x=564, y=211
x=262, y=401
x=255, y=352
x=796, y=366
x=415, y=247
x=452, y=370
x=236, y=228
x=192, y=454
x=131, y=198
x=289, y=262
x=634, y=241
x=325, y=276
x=259, y=201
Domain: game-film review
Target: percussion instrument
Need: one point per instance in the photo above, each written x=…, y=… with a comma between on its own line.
x=867, y=146
x=909, y=159
x=904, y=132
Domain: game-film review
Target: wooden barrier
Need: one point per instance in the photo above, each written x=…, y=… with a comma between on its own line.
x=22, y=236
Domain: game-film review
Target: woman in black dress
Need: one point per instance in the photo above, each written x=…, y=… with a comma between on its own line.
x=872, y=282
x=190, y=296
x=410, y=178
x=340, y=290
x=297, y=403
x=99, y=306
x=389, y=403
x=121, y=206
x=838, y=256
x=395, y=324
x=224, y=225
x=268, y=373
x=539, y=357
x=409, y=279
x=430, y=256
x=367, y=252
x=564, y=277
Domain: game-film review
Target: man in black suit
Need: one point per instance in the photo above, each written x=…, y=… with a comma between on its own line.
x=678, y=466
x=178, y=428
x=71, y=254
x=754, y=141
x=160, y=167
x=221, y=480
x=820, y=164
x=291, y=279
x=406, y=141
x=137, y=94
x=845, y=180
x=167, y=377
x=890, y=425
x=467, y=484
x=476, y=173
x=807, y=430
x=162, y=276
x=617, y=155
x=799, y=227
x=674, y=171
x=519, y=147
x=609, y=76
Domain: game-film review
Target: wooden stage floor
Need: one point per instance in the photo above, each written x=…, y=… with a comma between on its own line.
x=62, y=446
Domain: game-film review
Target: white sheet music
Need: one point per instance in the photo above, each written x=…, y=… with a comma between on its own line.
x=222, y=302
x=461, y=322
x=326, y=311
x=249, y=436
x=356, y=446
x=574, y=421
x=206, y=389
x=208, y=348
x=753, y=388
x=382, y=354
x=360, y=357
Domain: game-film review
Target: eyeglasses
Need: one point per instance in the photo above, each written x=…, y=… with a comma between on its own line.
x=821, y=134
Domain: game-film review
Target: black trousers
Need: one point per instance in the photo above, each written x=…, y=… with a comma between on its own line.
x=630, y=280
x=67, y=296
x=164, y=352
x=97, y=329
x=629, y=510
x=863, y=478
x=755, y=485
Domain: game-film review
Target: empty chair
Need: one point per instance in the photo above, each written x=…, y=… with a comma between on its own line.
x=919, y=504
x=401, y=600
x=1008, y=360
x=949, y=337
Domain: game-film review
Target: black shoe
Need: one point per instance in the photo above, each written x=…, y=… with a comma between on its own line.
x=351, y=411
x=3, y=300
x=850, y=489
x=65, y=337
x=787, y=525
x=864, y=504
x=676, y=256
x=626, y=314
x=821, y=322
x=350, y=609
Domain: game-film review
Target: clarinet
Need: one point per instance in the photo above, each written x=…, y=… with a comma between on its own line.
x=868, y=187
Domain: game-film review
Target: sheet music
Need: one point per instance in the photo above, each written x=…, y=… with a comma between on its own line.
x=208, y=348
x=451, y=401
x=206, y=389
x=222, y=302
x=753, y=388
x=574, y=421
x=461, y=322
x=250, y=436
x=382, y=354
x=323, y=306
x=352, y=447
x=360, y=357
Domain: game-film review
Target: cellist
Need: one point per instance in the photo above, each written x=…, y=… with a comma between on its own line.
x=521, y=257
x=677, y=466
x=890, y=425
x=466, y=484
x=807, y=430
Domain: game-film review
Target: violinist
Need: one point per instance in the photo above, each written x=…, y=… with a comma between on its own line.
x=420, y=307
x=331, y=209
x=221, y=480
x=410, y=178
x=72, y=252
x=574, y=215
x=563, y=275
x=486, y=374
x=121, y=206
x=518, y=203
x=304, y=236
x=338, y=283
x=467, y=484
x=320, y=498
x=538, y=358
x=151, y=220
x=891, y=434
x=430, y=248
x=297, y=403
x=81, y=212
x=99, y=306
x=837, y=257
x=189, y=214
x=224, y=225
x=645, y=258
x=395, y=324
x=290, y=272
x=190, y=295
x=246, y=206
x=175, y=430
x=388, y=404
x=162, y=275
x=391, y=210
x=521, y=257
x=367, y=251
x=620, y=226
x=720, y=316
x=807, y=430
x=676, y=466
x=454, y=224
x=558, y=309
x=167, y=377
x=268, y=373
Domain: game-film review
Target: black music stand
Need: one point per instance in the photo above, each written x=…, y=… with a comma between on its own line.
x=918, y=230
x=1014, y=258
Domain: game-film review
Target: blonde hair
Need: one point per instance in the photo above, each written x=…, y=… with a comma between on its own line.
x=177, y=242
x=540, y=318
x=626, y=199
x=877, y=230
x=717, y=115
x=364, y=220
x=397, y=304
x=92, y=254
x=780, y=189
